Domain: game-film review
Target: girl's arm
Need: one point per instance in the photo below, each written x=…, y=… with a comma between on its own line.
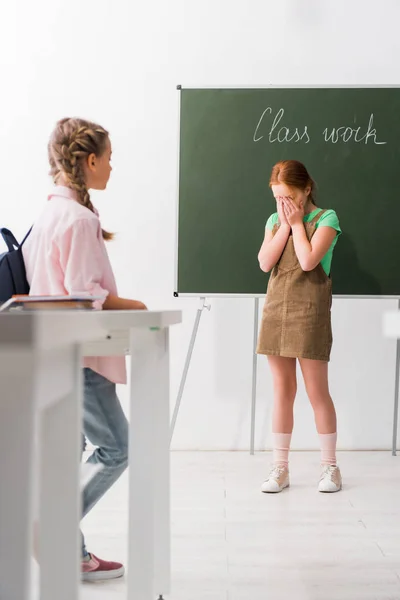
x=311, y=253
x=82, y=262
x=272, y=247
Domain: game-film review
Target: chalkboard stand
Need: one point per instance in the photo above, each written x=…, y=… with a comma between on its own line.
x=396, y=396
x=254, y=383
x=205, y=305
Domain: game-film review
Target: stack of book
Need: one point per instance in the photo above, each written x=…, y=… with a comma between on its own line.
x=75, y=302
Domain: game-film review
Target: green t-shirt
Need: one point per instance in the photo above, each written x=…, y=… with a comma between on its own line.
x=328, y=219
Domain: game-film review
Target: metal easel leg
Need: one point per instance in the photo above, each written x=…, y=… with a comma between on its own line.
x=187, y=363
x=254, y=381
x=396, y=397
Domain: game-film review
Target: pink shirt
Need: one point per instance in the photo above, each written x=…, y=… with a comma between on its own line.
x=66, y=254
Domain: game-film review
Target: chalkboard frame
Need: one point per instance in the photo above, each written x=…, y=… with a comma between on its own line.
x=180, y=88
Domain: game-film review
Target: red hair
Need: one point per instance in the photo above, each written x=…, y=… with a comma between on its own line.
x=293, y=174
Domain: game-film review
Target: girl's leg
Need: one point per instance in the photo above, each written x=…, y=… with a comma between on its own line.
x=315, y=373
x=106, y=427
x=285, y=387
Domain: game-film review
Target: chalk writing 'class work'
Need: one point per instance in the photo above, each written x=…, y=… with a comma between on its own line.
x=271, y=127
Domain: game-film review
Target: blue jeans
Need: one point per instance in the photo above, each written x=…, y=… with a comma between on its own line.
x=106, y=427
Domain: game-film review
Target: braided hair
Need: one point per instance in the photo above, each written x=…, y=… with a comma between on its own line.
x=71, y=142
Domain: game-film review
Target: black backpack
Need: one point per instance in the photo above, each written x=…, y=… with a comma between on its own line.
x=12, y=268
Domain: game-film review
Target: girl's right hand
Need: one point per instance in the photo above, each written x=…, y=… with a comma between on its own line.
x=281, y=212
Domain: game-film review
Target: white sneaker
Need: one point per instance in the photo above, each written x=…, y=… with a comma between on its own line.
x=277, y=480
x=331, y=479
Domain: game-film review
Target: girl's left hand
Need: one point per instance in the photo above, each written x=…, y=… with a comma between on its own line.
x=294, y=214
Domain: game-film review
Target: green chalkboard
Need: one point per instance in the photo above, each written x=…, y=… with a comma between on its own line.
x=348, y=138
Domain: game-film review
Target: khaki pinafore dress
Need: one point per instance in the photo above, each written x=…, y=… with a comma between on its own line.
x=296, y=321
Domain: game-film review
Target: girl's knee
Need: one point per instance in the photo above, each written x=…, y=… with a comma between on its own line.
x=285, y=390
x=122, y=455
x=116, y=455
x=121, y=450
x=319, y=398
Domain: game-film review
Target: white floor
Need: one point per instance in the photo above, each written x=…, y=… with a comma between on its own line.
x=230, y=542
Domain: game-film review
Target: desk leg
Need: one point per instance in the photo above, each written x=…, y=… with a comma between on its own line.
x=149, y=487
x=17, y=379
x=61, y=427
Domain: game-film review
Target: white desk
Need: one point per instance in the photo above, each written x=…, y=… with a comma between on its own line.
x=40, y=358
x=39, y=370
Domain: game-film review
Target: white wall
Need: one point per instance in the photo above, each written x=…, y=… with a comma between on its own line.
x=118, y=62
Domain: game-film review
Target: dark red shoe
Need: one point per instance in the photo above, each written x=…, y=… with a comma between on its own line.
x=96, y=569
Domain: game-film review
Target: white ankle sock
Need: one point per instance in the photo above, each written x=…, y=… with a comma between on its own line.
x=281, y=447
x=328, y=448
